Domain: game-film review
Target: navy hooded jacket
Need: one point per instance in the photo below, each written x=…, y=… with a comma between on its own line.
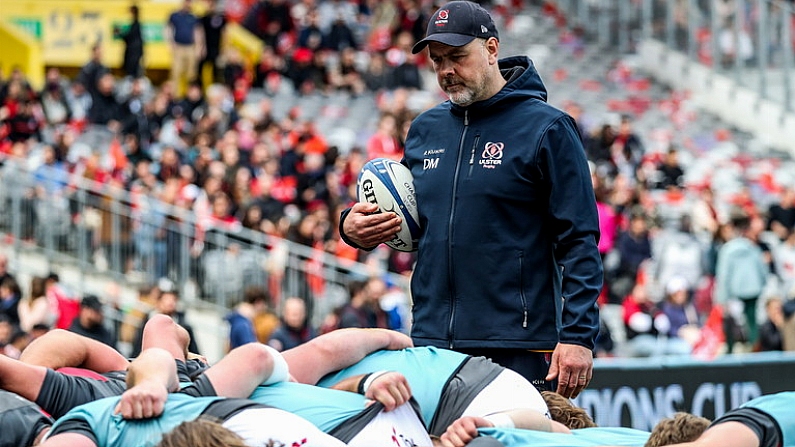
x=508, y=257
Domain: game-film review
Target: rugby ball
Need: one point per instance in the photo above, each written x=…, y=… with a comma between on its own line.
x=390, y=185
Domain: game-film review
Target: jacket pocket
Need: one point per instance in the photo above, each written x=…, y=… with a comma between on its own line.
x=522, y=296
x=472, y=154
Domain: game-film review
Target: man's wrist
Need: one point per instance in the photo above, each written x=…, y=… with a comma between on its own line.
x=360, y=386
x=368, y=380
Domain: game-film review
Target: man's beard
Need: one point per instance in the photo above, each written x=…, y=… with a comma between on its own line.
x=462, y=98
x=464, y=94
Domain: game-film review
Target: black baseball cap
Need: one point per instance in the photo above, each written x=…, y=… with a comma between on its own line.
x=456, y=24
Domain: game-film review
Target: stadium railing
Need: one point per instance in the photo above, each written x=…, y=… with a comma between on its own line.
x=136, y=240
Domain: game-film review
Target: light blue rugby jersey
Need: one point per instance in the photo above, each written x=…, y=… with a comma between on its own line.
x=427, y=370
x=325, y=408
x=781, y=407
x=583, y=437
x=111, y=430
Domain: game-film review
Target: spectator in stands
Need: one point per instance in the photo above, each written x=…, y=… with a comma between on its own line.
x=309, y=34
x=269, y=71
x=23, y=125
x=609, y=219
x=781, y=215
x=599, y=150
x=784, y=260
x=4, y=273
x=265, y=323
x=133, y=45
x=346, y=76
x=133, y=116
x=384, y=143
x=167, y=303
x=68, y=304
x=90, y=322
x=756, y=235
x=185, y=36
x=678, y=254
x=10, y=296
x=405, y=71
x=705, y=219
x=222, y=217
x=633, y=247
x=670, y=171
x=647, y=327
x=339, y=36
x=311, y=187
x=378, y=76
x=300, y=10
x=37, y=308
x=393, y=304
x=17, y=343
x=741, y=273
x=193, y=105
x=214, y=26
x=158, y=112
x=168, y=164
x=241, y=318
x=91, y=73
x=682, y=315
x=105, y=109
x=295, y=328
x=79, y=100
x=735, y=43
x=770, y=332
x=54, y=103
x=412, y=19
x=383, y=21
x=270, y=208
x=278, y=12
x=363, y=309
x=627, y=149
x=332, y=11
x=250, y=217
x=52, y=176
x=16, y=79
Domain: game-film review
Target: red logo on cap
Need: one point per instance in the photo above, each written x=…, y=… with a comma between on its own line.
x=442, y=14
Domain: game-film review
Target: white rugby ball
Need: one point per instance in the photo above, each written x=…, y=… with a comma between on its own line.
x=390, y=185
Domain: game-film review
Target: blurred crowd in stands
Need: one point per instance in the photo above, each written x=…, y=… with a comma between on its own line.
x=212, y=150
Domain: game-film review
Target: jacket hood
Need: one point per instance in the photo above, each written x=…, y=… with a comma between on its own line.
x=524, y=82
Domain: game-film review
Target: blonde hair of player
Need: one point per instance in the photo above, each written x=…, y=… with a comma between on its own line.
x=679, y=428
x=202, y=432
x=562, y=410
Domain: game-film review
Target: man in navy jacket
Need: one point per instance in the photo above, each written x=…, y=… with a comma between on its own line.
x=508, y=265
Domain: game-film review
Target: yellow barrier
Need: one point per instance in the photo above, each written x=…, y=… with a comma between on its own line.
x=21, y=50
x=66, y=30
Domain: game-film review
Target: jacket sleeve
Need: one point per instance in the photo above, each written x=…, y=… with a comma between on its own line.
x=344, y=237
x=574, y=225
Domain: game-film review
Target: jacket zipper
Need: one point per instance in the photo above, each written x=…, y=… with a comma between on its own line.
x=521, y=290
x=450, y=230
x=472, y=154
